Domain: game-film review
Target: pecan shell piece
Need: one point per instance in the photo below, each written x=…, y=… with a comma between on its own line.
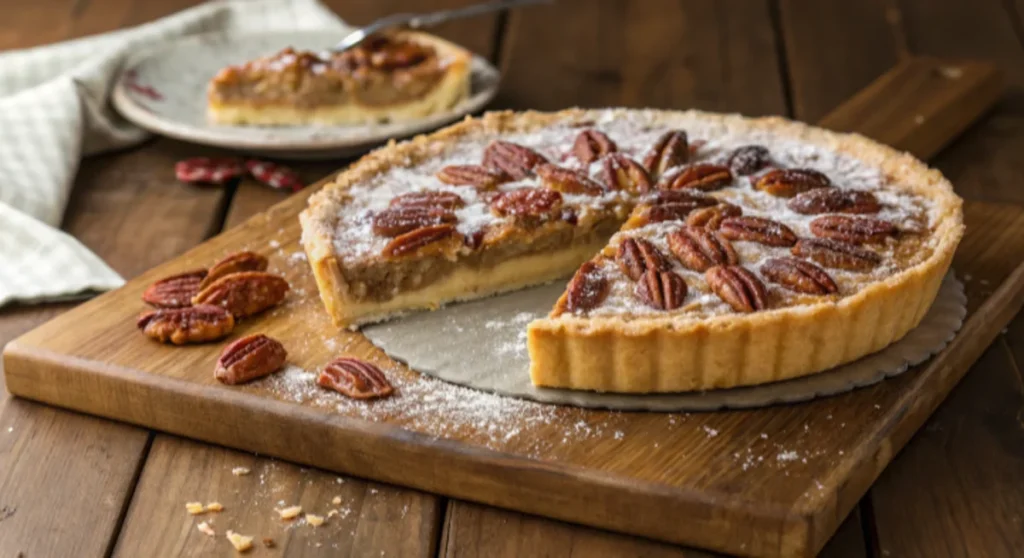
x=786, y=183
x=737, y=287
x=834, y=200
x=757, y=229
x=433, y=238
x=700, y=249
x=637, y=255
x=749, y=159
x=700, y=176
x=799, y=276
x=663, y=290
x=836, y=255
x=175, y=291
x=587, y=289
x=430, y=200
x=591, y=145
x=234, y=263
x=527, y=203
x=355, y=378
x=249, y=358
x=513, y=159
x=192, y=324
x=855, y=230
x=711, y=217
x=395, y=221
x=567, y=181
x=622, y=173
x=244, y=294
x=671, y=150
x=478, y=176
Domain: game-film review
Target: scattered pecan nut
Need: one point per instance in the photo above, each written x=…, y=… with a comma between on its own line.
x=749, y=159
x=587, y=289
x=591, y=145
x=244, y=294
x=478, y=176
x=355, y=378
x=233, y=263
x=700, y=249
x=637, y=256
x=530, y=204
x=567, y=181
x=701, y=176
x=757, y=229
x=738, y=287
x=835, y=254
x=622, y=173
x=670, y=151
x=855, y=230
x=664, y=290
x=711, y=217
x=799, y=276
x=429, y=199
x=435, y=238
x=786, y=183
x=511, y=158
x=191, y=324
x=395, y=221
x=834, y=200
x=249, y=358
x=175, y=291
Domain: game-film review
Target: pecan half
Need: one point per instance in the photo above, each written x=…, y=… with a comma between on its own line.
x=429, y=199
x=855, y=230
x=248, y=358
x=192, y=324
x=701, y=176
x=175, y=291
x=738, y=287
x=711, y=217
x=234, y=263
x=567, y=181
x=757, y=229
x=513, y=159
x=588, y=288
x=637, y=256
x=799, y=276
x=671, y=150
x=835, y=254
x=439, y=237
x=244, y=294
x=355, y=378
x=700, y=249
x=622, y=173
x=664, y=290
x=395, y=221
x=749, y=159
x=786, y=183
x=834, y=200
x=527, y=204
x=591, y=145
x=478, y=176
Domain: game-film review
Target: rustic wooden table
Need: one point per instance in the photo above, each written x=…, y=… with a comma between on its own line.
x=73, y=485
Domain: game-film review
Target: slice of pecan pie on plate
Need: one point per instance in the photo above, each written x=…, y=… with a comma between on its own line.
x=709, y=250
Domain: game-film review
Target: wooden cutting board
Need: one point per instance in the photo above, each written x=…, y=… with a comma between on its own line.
x=768, y=482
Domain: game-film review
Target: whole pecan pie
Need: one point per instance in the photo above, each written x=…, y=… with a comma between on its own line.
x=707, y=250
x=401, y=76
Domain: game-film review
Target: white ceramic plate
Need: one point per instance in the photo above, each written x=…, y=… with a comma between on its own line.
x=163, y=89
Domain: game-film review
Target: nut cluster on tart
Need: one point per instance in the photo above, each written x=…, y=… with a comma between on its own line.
x=707, y=250
x=400, y=76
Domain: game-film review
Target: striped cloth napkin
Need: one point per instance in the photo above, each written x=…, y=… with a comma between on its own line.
x=54, y=109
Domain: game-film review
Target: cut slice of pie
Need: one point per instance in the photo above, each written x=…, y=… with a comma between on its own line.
x=716, y=251
x=402, y=76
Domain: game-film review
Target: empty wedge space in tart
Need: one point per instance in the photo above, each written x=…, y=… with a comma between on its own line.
x=705, y=250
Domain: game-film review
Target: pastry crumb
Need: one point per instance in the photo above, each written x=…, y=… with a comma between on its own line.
x=268, y=542
x=332, y=513
x=205, y=529
x=241, y=543
x=290, y=512
x=314, y=520
x=195, y=508
x=214, y=507
x=239, y=471
x=336, y=501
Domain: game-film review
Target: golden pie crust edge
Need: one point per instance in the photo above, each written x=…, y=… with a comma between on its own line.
x=452, y=88
x=648, y=355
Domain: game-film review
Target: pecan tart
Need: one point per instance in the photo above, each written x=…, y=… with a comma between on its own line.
x=400, y=76
x=707, y=251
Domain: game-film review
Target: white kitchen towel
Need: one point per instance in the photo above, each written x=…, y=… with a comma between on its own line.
x=54, y=109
